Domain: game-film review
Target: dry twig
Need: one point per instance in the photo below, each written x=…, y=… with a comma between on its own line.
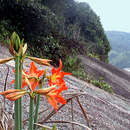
x=83, y=111
x=76, y=123
x=5, y=118
x=54, y=112
x=72, y=113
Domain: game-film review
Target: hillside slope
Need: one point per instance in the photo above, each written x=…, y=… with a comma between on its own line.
x=117, y=78
x=104, y=110
x=120, y=53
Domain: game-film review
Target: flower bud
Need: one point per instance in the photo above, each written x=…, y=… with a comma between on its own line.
x=13, y=94
x=15, y=41
x=45, y=91
x=2, y=61
x=10, y=91
x=16, y=95
x=40, y=61
x=15, y=98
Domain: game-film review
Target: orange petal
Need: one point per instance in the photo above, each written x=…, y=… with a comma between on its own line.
x=12, y=82
x=40, y=73
x=64, y=73
x=24, y=84
x=33, y=84
x=14, y=70
x=33, y=68
x=53, y=70
x=60, y=99
x=52, y=101
x=60, y=89
x=58, y=69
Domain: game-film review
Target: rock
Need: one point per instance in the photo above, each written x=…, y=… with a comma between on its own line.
x=105, y=111
x=117, y=78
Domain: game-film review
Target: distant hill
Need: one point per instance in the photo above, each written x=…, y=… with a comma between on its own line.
x=120, y=52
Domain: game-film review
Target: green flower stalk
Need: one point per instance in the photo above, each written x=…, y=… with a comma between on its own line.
x=37, y=108
x=16, y=49
x=17, y=102
x=20, y=86
x=31, y=119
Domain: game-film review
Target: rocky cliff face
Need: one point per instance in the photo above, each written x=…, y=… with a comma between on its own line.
x=105, y=111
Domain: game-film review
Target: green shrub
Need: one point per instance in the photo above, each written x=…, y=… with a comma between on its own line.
x=94, y=56
x=102, y=84
x=73, y=64
x=49, y=47
x=4, y=33
x=6, y=30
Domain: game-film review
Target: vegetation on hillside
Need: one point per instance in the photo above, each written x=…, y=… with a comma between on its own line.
x=65, y=24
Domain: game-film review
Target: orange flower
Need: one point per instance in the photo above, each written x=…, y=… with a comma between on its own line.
x=13, y=94
x=57, y=77
x=33, y=76
x=54, y=97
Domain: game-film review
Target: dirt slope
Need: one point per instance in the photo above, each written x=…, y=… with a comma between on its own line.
x=117, y=78
x=105, y=111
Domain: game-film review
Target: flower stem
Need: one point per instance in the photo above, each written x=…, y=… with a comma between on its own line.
x=31, y=114
x=20, y=86
x=17, y=102
x=36, y=112
x=37, y=108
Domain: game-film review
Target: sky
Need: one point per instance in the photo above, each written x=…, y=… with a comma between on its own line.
x=114, y=14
